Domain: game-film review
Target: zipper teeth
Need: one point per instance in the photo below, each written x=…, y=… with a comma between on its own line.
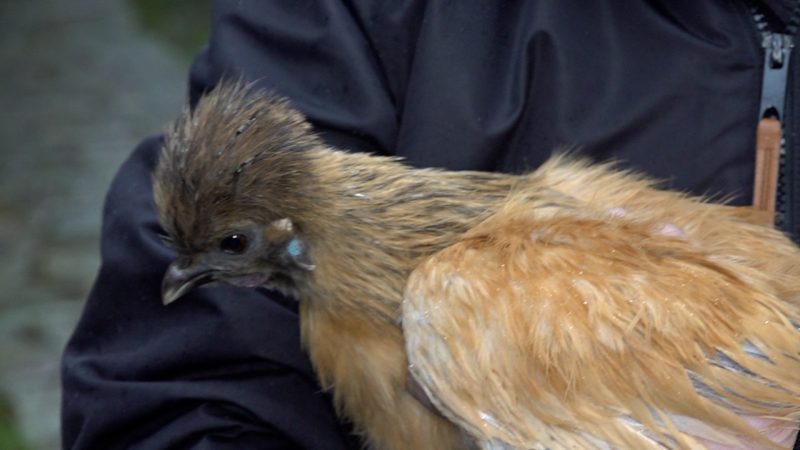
x=784, y=169
x=762, y=24
x=782, y=189
x=761, y=21
x=794, y=20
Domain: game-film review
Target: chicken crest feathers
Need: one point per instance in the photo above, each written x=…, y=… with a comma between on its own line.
x=237, y=150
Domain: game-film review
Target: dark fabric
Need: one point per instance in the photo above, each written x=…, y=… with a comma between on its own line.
x=667, y=87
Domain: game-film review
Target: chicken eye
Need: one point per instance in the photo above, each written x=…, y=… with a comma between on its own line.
x=235, y=243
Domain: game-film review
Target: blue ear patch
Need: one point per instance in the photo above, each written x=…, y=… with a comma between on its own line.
x=294, y=248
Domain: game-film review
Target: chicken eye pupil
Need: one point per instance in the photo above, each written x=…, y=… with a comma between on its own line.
x=235, y=243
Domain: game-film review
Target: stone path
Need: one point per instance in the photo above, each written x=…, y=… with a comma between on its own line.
x=82, y=84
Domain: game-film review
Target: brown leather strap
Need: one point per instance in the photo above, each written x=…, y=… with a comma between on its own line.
x=768, y=148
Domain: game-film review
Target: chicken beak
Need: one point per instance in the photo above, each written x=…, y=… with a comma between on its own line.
x=181, y=277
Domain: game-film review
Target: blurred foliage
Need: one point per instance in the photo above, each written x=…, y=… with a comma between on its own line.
x=10, y=438
x=184, y=24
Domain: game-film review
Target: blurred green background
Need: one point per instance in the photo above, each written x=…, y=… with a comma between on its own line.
x=182, y=24
x=83, y=82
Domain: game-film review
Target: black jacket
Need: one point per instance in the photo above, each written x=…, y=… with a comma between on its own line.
x=669, y=87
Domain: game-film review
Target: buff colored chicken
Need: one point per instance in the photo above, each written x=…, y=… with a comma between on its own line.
x=573, y=307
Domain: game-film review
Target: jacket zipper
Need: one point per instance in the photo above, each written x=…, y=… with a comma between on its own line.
x=775, y=100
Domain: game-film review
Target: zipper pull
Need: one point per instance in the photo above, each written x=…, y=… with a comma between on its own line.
x=777, y=51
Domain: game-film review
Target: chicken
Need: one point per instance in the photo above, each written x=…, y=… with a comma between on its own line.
x=573, y=307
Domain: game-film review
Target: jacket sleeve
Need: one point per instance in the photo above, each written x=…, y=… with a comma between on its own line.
x=223, y=368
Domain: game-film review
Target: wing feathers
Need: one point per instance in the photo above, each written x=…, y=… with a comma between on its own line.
x=557, y=327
